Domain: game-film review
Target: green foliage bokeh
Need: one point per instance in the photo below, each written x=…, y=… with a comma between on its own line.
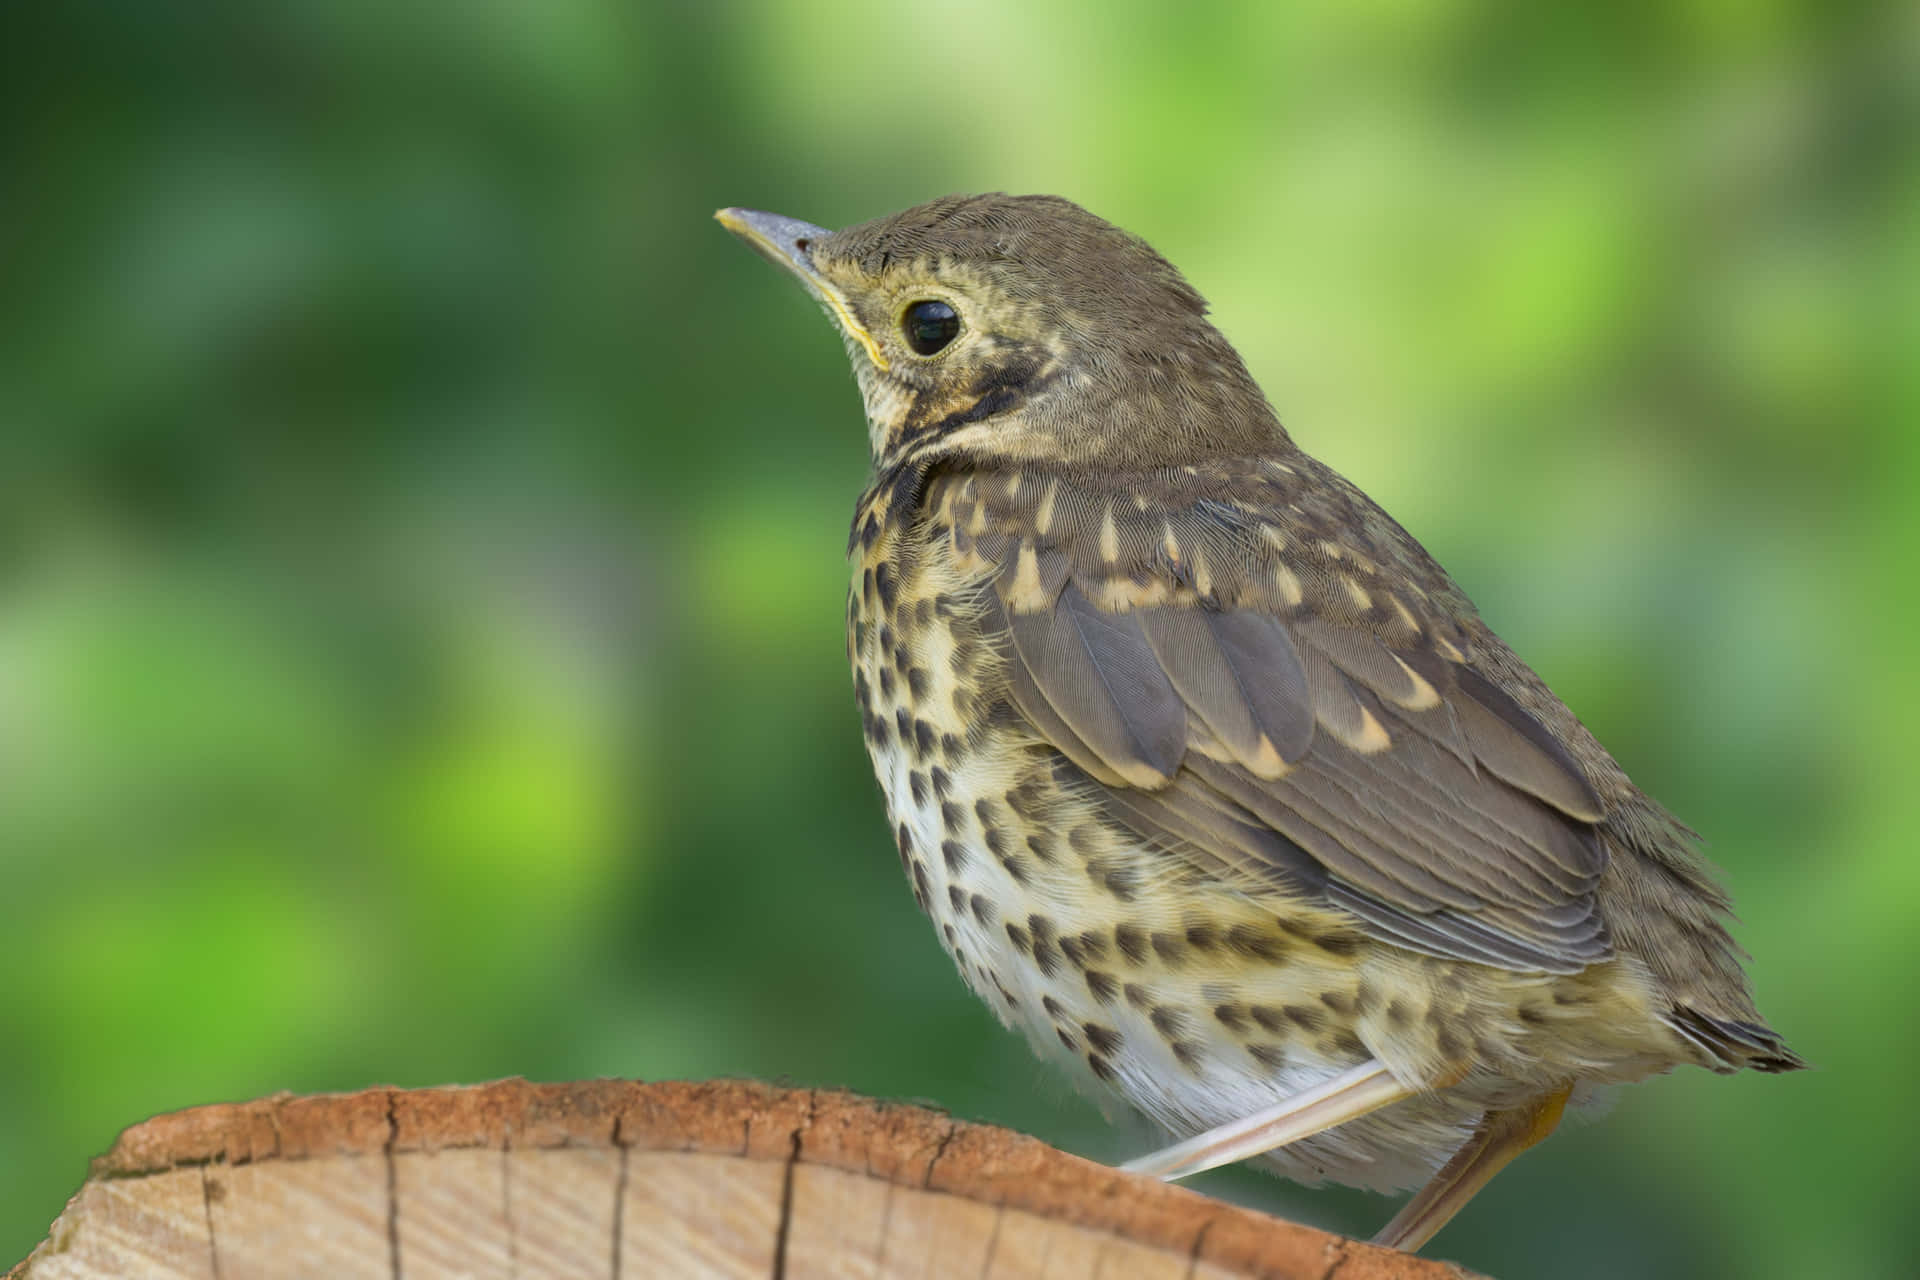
x=421, y=652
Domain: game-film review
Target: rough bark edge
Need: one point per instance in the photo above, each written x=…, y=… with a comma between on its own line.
x=907, y=1145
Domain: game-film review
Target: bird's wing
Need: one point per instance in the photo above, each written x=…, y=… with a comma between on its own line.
x=1308, y=714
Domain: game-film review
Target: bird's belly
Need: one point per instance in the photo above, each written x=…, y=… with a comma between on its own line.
x=1195, y=1002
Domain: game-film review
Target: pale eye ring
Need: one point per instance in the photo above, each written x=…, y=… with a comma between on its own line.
x=929, y=326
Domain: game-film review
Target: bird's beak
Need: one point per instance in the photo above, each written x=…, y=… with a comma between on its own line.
x=782, y=240
x=788, y=242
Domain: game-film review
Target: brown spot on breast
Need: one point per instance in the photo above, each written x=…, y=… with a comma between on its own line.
x=1203, y=937
x=1269, y=1018
x=1170, y=1022
x=1122, y=882
x=1018, y=936
x=1172, y=950
x=917, y=786
x=1271, y=1056
x=1249, y=940
x=1025, y=799
x=1187, y=1053
x=1132, y=941
x=1045, y=954
x=1100, y=1067
x=982, y=908
x=1335, y=943
x=1103, y=1039
x=1232, y=1016
x=1103, y=985
x=954, y=854
x=995, y=834
x=1303, y=1016
x=942, y=782
x=956, y=898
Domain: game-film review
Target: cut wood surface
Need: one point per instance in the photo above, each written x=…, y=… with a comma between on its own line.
x=620, y=1179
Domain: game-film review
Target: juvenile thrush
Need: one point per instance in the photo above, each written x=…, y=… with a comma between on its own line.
x=1213, y=781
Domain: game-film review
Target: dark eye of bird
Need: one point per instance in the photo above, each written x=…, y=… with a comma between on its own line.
x=930, y=325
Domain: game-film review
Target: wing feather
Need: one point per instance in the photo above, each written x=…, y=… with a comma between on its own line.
x=1519, y=749
x=1304, y=729
x=1100, y=675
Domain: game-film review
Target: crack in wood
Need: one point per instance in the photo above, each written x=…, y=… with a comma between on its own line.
x=207, y=1193
x=1199, y=1242
x=785, y=1226
x=926, y=1181
x=620, y=1196
x=393, y=1186
x=993, y=1240
x=886, y=1227
x=506, y=1204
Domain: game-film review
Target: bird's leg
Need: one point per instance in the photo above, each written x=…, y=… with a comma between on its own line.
x=1502, y=1135
x=1348, y=1096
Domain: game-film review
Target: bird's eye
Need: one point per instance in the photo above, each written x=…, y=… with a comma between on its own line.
x=929, y=326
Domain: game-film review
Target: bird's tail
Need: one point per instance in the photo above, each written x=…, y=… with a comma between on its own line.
x=1736, y=1044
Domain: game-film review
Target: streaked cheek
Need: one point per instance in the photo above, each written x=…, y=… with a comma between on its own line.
x=887, y=404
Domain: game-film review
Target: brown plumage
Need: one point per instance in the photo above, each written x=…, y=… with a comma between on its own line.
x=1212, y=778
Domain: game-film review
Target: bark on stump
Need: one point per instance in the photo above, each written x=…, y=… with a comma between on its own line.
x=615, y=1178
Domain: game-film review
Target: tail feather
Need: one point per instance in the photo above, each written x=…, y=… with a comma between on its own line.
x=1737, y=1044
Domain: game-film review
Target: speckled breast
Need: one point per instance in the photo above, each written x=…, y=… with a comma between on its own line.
x=1193, y=1000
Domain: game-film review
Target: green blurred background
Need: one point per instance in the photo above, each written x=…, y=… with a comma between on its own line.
x=421, y=651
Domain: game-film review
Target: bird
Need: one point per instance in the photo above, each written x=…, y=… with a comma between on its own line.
x=1212, y=781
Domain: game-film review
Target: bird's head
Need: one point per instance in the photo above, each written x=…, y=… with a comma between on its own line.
x=1021, y=329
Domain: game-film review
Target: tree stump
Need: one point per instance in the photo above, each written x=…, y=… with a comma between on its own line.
x=614, y=1178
